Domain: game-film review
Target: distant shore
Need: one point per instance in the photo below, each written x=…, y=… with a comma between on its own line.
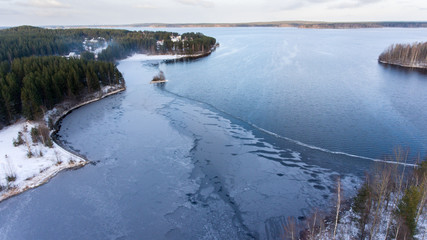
x=295, y=24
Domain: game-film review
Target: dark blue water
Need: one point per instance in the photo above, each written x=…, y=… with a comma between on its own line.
x=234, y=143
x=324, y=88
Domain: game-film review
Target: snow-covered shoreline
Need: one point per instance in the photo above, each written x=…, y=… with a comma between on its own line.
x=148, y=57
x=416, y=66
x=18, y=171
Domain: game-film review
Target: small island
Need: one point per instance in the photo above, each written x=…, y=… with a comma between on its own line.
x=406, y=55
x=159, y=78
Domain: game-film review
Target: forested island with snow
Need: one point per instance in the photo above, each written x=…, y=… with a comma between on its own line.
x=406, y=55
x=46, y=73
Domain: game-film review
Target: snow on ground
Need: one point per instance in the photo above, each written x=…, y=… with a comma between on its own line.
x=46, y=162
x=145, y=57
x=29, y=172
x=100, y=49
x=348, y=229
x=422, y=227
x=72, y=55
x=108, y=89
x=95, y=46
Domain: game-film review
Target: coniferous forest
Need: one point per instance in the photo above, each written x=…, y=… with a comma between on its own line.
x=35, y=76
x=33, y=82
x=28, y=41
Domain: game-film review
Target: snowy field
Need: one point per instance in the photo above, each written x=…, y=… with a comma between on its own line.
x=31, y=164
x=21, y=170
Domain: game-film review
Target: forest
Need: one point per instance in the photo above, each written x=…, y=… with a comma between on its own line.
x=407, y=55
x=148, y=42
x=29, y=41
x=391, y=203
x=35, y=83
x=34, y=75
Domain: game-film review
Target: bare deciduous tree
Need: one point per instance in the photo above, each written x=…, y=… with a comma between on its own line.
x=338, y=206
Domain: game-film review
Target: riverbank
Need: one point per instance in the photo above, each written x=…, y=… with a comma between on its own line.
x=31, y=162
x=168, y=57
x=19, y=172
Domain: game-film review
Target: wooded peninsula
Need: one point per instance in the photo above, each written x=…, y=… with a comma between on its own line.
x=406, y=55
x=35, y=74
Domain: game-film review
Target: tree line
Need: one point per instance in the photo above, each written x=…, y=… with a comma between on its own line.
x=390, y=189
x=148, y=42
x=29, y=85
x=390, y=204
x=27, y=41
x=410, y=55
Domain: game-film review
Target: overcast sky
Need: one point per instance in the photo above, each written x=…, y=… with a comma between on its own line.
x=81, y=12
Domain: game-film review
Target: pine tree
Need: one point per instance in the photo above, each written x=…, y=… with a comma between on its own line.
x=408, y=207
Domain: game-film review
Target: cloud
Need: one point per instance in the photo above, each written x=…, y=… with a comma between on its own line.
x=146, y=6
x=303, y=3
x=333, y=4
x=8, y=12
x=294, y=6
x=44, y=4
x=203, y=3
x=318, y=1
x=48, y=14
x=354, y=3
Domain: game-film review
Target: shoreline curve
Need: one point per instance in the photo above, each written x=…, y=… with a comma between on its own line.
x=45, y=176
x=48, y=174
x=418, y=67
